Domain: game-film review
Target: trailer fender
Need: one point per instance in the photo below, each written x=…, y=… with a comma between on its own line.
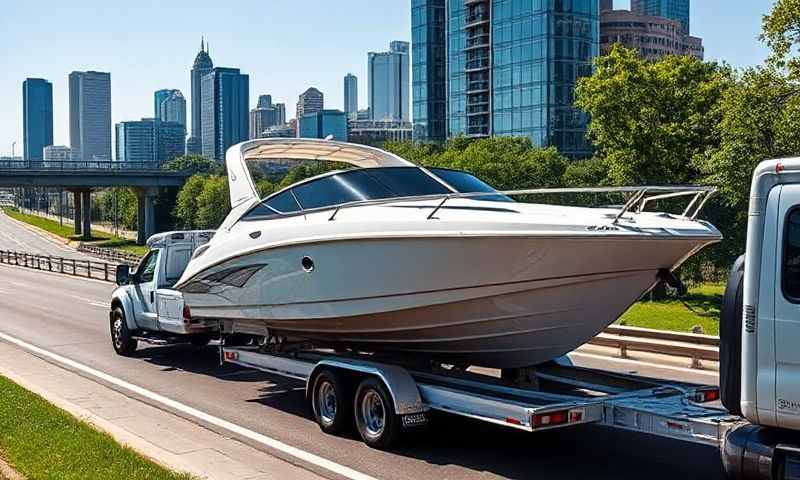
x=122, y=298
x=401, y=386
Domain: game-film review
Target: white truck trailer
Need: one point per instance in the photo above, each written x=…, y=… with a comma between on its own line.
x=758, y=433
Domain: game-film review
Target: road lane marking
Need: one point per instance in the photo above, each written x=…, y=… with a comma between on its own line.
x=64, y=276
x=100, y=304
x=270, y=442
x=18, y=284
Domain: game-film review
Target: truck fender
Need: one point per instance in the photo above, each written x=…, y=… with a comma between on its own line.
x=123, y=298
x=401, y=386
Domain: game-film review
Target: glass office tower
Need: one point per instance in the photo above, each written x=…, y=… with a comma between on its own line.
x=677, y=10
x=37, y=117
x=429, y=69
x=513, y=66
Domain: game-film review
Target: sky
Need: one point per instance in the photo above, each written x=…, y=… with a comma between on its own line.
x=285, y=46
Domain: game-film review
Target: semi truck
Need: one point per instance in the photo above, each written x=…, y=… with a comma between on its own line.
x=757, y=432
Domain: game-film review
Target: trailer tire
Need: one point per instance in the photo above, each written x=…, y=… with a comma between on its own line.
x=376, y=418
x=331, y=402
x=121, y=338
x=730, y=340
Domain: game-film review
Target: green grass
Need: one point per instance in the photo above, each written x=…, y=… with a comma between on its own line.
x=700, y=307
x=125, y=245
x=63, y=231
x=99, y=239
x=41, y=441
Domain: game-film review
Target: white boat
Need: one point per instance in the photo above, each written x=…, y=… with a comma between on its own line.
x=389, y=256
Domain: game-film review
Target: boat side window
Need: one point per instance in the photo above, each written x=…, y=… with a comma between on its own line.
x=147, y=269
x=406, y=181
x=281, y=203
x=467, y=183
x=367, y=184
x=791, y=257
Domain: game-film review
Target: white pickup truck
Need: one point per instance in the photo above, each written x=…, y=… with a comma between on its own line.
x=144, y=306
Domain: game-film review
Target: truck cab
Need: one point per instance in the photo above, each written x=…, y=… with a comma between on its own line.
x=145, y=307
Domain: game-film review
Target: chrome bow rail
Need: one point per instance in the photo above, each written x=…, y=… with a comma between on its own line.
x=637, y=202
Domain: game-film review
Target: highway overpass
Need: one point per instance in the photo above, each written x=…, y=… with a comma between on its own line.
x=81, y=177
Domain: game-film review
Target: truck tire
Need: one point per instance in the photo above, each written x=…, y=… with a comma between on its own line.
x=331, y=402
x=121, y=339
x=376, y=419
x=730, y=340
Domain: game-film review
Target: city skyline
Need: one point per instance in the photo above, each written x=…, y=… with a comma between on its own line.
x=150, y=67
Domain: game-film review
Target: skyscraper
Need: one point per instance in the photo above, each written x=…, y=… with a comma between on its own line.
x=37, y=117
x=511, y=70
x=264, y=101
x=90, y=115
x=351, y=96
x=202, y=66
x=606, y=5
x=149, y=140
x=322, y=124
x=171, y=106
x=225, y=103
x=136, y=141
x=677, y=10
x=280, y=114
x=429, y=78
x=310, y=101
x=158, y=97
x=263, y=116
x=388, y=83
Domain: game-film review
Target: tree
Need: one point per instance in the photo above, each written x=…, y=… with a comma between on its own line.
x=781, y=33
x=185, y=211
x=213, y=202
x=650, y=119
x=193, y=163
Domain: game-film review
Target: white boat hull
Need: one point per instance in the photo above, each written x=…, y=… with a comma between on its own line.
x=504, y=301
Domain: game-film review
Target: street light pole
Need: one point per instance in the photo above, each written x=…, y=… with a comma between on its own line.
x=13, y=149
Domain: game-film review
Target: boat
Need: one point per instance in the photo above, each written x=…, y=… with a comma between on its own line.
x=388, y=256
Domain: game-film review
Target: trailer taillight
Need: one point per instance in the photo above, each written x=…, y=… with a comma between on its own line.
x=560, y=417
x=704, y=396
x=187, y=314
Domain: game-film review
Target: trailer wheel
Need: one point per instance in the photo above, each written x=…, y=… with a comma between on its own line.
x=121, y=339
x=330, y=402
x=376, y=419
x=730, y=344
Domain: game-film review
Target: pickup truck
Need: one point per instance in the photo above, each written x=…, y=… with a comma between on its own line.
x=145, y=307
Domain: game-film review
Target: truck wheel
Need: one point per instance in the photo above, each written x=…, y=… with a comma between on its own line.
x=121, y=338
x=330, y=401
x=730, y=340
x=376, y=420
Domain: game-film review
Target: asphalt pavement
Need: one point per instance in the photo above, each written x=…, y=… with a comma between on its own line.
x=16, y=237
x=69, y=316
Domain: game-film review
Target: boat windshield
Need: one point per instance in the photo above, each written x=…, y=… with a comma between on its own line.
x=367, y=184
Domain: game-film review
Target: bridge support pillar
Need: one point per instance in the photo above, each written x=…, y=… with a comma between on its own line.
x=76, y=211
x=86, y=207
x=146, y=217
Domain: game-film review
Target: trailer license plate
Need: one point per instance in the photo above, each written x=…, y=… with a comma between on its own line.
x=415, y=420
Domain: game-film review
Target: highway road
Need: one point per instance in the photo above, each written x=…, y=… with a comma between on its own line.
x=69, y=316
x=17, y=238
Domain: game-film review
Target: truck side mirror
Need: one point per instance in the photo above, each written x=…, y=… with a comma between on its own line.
x=123, y=274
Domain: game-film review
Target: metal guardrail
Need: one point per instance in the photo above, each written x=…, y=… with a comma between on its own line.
x=73, y=165
x=110, y=254
x=693, y=346
x=68, y=266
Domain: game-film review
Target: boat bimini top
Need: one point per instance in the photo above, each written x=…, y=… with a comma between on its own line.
x=243, y=189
